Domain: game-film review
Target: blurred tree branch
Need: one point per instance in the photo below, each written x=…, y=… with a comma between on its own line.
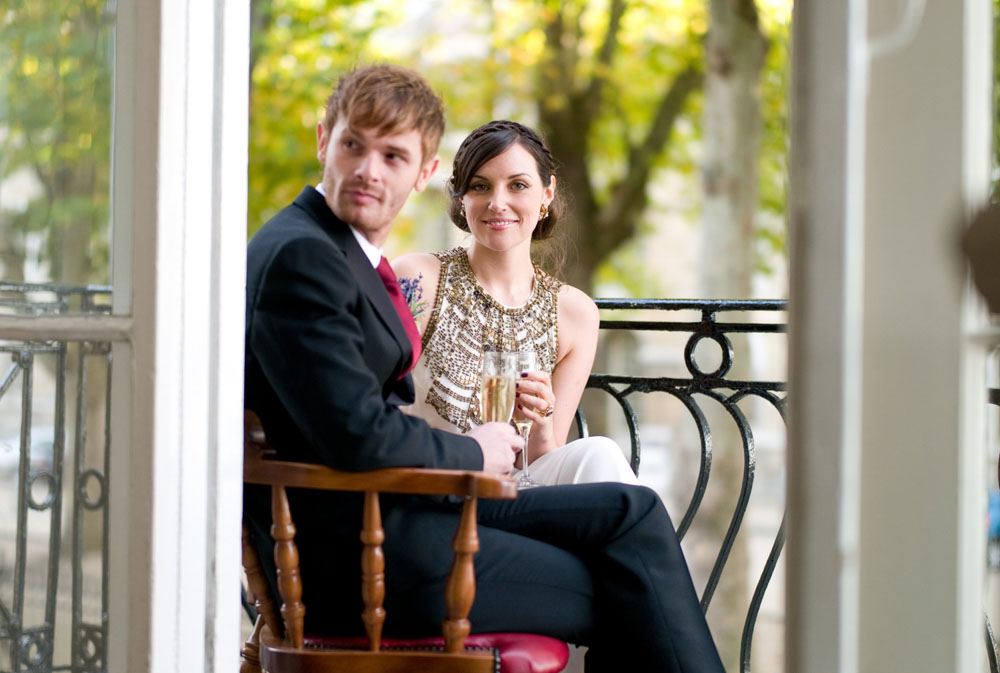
x=568, y=113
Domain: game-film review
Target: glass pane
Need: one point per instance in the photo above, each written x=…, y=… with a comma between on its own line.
x=56, y=74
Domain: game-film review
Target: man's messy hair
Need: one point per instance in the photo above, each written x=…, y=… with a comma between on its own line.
x=390, y=99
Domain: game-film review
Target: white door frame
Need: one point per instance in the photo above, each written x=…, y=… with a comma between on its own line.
x=179, y=194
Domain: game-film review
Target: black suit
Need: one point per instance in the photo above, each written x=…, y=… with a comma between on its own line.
x=592, y=564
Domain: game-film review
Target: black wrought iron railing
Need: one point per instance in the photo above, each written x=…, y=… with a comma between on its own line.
x=54, y=554
x=718, y=377
x=50, y=299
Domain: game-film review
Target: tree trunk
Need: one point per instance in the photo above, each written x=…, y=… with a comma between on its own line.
x=735, y=51
x=734, y=58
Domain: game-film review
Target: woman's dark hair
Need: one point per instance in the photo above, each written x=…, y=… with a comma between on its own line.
x=488, y=141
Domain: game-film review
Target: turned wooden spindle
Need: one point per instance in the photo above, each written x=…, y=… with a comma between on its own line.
x=373, y=571
x=286, y=558
x=259, y=587
x=250, y=654
x=254, y=440
x=461, y=587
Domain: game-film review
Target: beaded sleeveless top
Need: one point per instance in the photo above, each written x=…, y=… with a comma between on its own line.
x=465, y=321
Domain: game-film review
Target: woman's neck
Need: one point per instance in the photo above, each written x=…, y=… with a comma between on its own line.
x=507, y=276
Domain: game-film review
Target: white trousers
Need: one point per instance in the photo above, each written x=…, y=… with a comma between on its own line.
x=582, y=461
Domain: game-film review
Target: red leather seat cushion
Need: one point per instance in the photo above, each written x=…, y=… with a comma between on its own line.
x=519, y=652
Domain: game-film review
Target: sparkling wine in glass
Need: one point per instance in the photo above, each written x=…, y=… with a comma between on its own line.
x=526, y=362
x=496, y=391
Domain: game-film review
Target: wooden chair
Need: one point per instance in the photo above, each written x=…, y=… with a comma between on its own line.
x=279, y=645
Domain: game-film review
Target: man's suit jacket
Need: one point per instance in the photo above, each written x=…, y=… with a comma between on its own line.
x=324, y=353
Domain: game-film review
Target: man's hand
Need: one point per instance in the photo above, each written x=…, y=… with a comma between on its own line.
x=499, y=443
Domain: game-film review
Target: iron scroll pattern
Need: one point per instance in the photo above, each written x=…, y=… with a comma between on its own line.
x=35, y=624
x=713, y=385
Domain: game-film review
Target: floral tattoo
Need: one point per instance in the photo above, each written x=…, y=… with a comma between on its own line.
x=413, y=292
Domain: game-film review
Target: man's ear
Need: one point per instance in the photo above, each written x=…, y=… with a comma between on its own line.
x=426, y=171
x=322, y=138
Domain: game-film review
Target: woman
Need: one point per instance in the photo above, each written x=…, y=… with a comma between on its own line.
x=491, y=295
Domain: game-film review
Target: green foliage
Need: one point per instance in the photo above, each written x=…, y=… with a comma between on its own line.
x=55, y=129
x=498, y=58
x=773, y=165
x=658, y=40
x=492, y=58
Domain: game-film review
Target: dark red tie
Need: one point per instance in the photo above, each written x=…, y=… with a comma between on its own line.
x=402, y=308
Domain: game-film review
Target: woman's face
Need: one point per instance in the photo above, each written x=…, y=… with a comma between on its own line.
x=504, y=198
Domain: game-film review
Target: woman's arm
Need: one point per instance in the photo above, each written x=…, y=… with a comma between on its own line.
x=577, y=322
x=418, y=275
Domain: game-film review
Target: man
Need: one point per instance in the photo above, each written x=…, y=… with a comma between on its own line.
x=327, y=353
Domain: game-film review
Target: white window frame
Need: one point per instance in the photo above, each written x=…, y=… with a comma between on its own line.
x=182, y=100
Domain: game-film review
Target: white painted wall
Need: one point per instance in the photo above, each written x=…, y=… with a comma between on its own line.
x=890, y=150
x=824, y=346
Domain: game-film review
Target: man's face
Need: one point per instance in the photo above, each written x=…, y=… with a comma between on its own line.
x=367, y=177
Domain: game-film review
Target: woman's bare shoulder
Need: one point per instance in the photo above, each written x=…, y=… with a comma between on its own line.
x=576, y=305
x=578, y=321
x=413, y=264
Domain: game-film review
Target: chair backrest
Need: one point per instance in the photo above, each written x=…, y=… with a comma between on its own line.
x=279, y=637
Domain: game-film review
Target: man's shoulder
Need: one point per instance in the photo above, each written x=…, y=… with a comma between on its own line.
x=294, y=239
x=301, y=217
x=307, y=218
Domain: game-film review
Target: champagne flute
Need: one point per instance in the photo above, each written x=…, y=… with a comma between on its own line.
x=526, y=362
x=496, y=389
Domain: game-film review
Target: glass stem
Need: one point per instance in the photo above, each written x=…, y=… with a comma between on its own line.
x=524, y=453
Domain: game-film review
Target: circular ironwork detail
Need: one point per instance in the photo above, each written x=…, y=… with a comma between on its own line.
x=724, y=346
x=47, y=477
x=85, y=482
x=35, y=650
x=91, y=646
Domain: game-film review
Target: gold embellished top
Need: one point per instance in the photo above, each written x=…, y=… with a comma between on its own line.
x=466, y=321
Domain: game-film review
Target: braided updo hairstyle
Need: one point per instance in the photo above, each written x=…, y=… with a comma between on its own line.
x=488, y=141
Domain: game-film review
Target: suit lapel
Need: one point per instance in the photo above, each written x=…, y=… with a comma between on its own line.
x=369, y=280
x=374, y=289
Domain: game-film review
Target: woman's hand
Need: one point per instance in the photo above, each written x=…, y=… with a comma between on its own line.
x=535, y=401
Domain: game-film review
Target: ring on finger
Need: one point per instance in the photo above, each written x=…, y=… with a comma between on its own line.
x=549, y=410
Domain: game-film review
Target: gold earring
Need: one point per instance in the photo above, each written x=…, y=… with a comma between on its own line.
x=544, y=212
x=461, y=209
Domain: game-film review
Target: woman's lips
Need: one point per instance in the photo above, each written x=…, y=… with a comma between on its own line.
x=500, y=224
